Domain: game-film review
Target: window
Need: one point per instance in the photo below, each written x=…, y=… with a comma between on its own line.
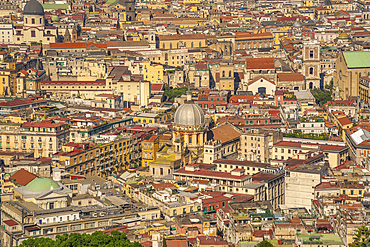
x=311, y=71
x=62, y=229
x=89, y=225
x=103, y=223
x=33, y=34
x=311, y=53
x=76, y=227
x=33, y=21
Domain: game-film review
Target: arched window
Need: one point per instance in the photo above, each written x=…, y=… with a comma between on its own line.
x=33, y=20
x=310, y=85
x=26, y=20
x=223, y=73
x=311, y=71
x=164, y=46
x=170, y=45
x=229, y=73
x=200, y=44
x=192, y=44
x=311, y=53
x=166, y=56
x=40, y=20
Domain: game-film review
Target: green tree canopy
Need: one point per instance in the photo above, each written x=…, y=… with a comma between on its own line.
x=97, y=239
x=172, y=93
x=361, y=238
x=264, y=243
x=323, y=95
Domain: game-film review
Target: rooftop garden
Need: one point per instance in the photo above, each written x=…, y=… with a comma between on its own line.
x=322, y=136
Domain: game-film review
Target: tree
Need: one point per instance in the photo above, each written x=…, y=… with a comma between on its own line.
x=264, y=243
x=172, y=93
x=96, y=239
x=362, y=237
x=323, y=95
x=164, y=244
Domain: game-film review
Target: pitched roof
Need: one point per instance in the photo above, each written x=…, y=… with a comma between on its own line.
x=163, y=186
x=290, y=77
x=260, y=79
x=260, y=63
x=357, y=59
x=225, y=132
x=23, y=177
x=157, y=87
x=10, y=222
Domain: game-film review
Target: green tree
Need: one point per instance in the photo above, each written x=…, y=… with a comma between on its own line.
x=172, y=93
x=264, y=243
x=164, y=244
x=323, y=95
x=96, y=239
x=362, y=237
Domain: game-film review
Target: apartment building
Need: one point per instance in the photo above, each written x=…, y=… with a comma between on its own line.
x=300, y=185
x=236, y=181
x=250, y=167
x=257, y=144
x=42, y=138
x=97, y=159
x=334, y=154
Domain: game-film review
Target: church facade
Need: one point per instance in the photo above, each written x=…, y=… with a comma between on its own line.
x=34, y=28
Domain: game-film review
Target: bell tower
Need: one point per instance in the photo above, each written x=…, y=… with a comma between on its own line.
x=311, y=68
x=151, y=39
x=130, y=10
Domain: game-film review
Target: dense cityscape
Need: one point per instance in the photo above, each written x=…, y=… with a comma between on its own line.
x=185, y=123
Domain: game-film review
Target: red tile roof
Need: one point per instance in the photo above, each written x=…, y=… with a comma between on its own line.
x=326, y=185
x=23, y=177
x=47, y=124
x=290, y=77
x=157, y=87
x=259, y=78
x=17, y=102
x=10, y=222
x=163, y=186
x=205, y=240
x=260, y=63
x=225, y=133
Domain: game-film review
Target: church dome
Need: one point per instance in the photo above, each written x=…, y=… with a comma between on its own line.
x=343, y=36
x=297, y=24
x=33, y=8
x=189, y=114
x=40, y=184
